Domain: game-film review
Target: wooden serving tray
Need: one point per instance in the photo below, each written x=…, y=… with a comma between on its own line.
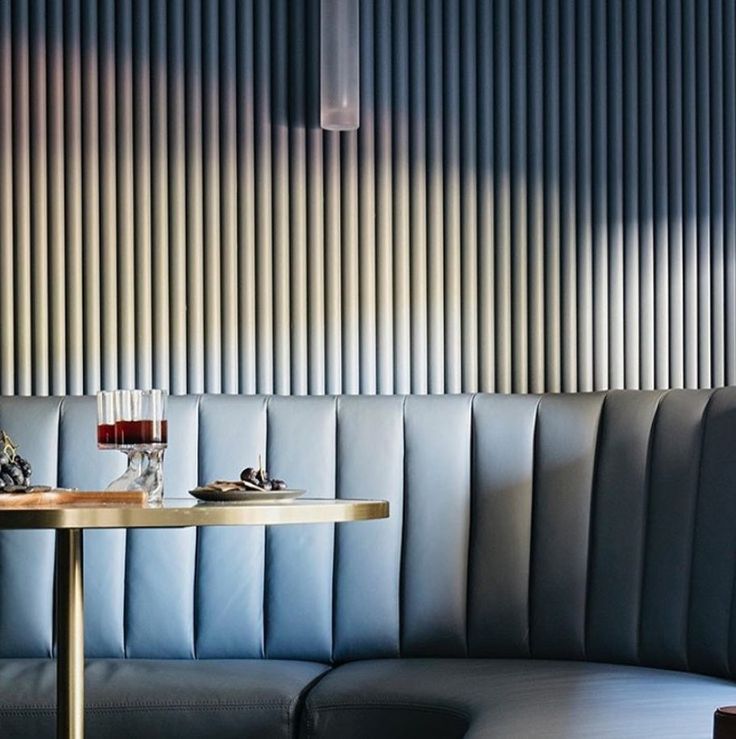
x=57, y=498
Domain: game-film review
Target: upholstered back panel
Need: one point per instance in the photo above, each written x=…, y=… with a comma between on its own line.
x=598, y=526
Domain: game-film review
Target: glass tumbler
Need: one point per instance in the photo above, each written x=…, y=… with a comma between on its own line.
x=106, y=419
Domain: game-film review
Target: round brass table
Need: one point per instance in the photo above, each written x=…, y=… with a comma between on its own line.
x=70, y=520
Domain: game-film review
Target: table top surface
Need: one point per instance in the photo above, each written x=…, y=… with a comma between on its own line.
x=181, y=512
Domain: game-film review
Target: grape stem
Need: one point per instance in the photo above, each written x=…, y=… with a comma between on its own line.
x=9, y=446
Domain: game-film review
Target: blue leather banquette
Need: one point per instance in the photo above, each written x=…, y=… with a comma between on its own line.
x=554, y=566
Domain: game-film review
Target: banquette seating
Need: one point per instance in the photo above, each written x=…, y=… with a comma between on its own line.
x=553, y=566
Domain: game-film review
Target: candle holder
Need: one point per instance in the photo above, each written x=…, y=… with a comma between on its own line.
x=134, y=422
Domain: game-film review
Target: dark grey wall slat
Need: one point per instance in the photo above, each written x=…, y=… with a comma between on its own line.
x=519, y=197
x=552, y=306
x=715, y=213
x=540, y=197
x=584, y=195
x=675, y=203
x=435, y=210
x=7, y=328
x=662, y=327
x=418, y=194
x=599, y=117
x=160, y=244
x=535, y=194
x=646, y=197
x=502, y=193
x=729, y=184
x=22, y=199
x=689, y=197
x=39, y=194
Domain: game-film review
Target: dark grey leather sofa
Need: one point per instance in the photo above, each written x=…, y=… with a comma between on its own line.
x=553, y=567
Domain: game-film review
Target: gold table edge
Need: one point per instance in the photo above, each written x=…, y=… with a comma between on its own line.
x=264, y=514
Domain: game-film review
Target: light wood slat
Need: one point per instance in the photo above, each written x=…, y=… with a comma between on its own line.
x=176, y=109
x=584, y=195
x=646, y=200
x=599, y=147
x=280, y=183
x=298, y=290
x=452, y=200
x=143, y=286
x=703, y=183
x=552, y=305
x=435, y=218
x=7, y=327
x=616, y=245
x=39, y=194
x=195, y=308
x=263, y=195
x=486, y=224
x=125, y=194
x=160, y=245
x=630, y=198
x=469, y=200
x=21, y=240
x=315, y=209
x=56, y=220
x=400, y=192
x=229, y=194
x=688, y=208
x=333, y=263
x=729, y=185
x=211, y=226
x=418, y=196
x=246, y=199
x=367, y=202
x=384, y=198
x=519, y=197
x=675, y=204
x=349, y=256
x=568, y=241
x=660, y=315
x=91, y=197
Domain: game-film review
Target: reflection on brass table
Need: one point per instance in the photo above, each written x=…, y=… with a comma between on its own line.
x=69, y=521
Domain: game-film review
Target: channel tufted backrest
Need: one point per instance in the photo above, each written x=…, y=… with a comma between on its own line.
x=594, y=526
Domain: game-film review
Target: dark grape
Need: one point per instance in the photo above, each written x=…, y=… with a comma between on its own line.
x=7, y=479
x=4, y=459
x=247, y=473
x=24, y=464
x=260, y=478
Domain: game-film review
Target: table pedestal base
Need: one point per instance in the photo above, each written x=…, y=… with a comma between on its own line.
x=69, y=635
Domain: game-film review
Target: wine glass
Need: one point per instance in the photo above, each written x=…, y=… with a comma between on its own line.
x=139, y=430
x=106, y=419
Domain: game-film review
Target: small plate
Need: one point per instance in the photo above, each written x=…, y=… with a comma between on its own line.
x=246, y=496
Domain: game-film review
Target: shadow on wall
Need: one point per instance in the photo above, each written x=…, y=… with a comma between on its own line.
x=540, y=197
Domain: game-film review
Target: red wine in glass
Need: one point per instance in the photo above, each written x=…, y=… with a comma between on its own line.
x=141, y=432
x=106, y=434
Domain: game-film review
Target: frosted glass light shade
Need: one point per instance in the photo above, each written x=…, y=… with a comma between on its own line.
x=339, y=65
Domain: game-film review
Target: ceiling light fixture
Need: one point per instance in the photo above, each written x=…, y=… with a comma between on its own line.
x=339, y=65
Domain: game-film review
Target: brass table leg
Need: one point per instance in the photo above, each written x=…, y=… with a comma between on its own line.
x=70, y=635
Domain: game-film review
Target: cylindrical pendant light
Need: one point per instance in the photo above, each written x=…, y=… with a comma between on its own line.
x=339, y=65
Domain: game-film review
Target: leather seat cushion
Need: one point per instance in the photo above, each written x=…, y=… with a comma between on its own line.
x=177, y=699
x=484, y=698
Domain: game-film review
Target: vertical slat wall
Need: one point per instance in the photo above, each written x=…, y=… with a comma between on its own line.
x=541, y=196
